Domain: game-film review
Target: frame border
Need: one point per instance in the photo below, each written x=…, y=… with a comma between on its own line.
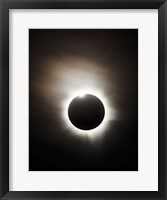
x=5, y=6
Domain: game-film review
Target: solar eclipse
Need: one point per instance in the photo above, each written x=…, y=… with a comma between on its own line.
x=83, y=99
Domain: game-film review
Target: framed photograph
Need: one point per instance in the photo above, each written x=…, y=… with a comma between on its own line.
x=83, y=99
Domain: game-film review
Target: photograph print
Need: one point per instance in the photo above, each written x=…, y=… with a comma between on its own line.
x=83, y=99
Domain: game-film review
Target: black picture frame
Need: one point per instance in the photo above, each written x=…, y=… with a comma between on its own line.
x=5, y=6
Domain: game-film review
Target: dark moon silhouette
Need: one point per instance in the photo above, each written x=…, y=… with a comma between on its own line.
x=86, y=112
